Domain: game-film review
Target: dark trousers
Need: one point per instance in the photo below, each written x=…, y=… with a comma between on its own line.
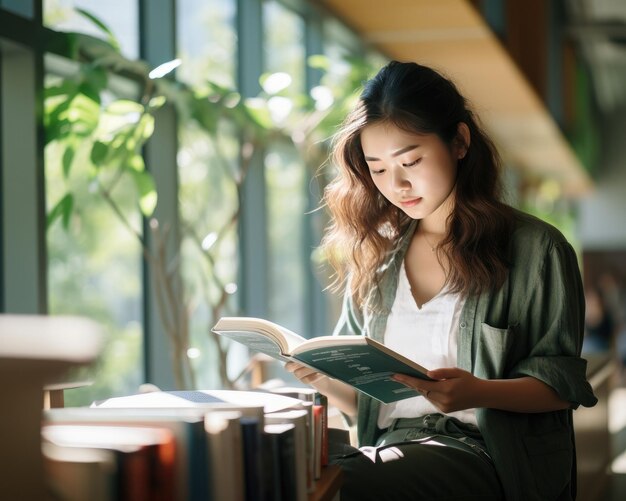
x=429, y=458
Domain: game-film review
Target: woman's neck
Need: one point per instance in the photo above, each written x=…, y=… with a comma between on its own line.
x=432, y=228
x=436, y=224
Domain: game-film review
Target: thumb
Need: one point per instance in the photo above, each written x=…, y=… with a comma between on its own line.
x=445, y=373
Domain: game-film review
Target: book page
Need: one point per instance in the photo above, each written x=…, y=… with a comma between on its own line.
x=260, y=335
x=257, y=342
x=328, y=341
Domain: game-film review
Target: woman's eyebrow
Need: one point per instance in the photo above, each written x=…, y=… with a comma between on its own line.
x=395, y=153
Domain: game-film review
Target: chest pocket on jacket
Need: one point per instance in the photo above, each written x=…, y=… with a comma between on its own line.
x=492, y=350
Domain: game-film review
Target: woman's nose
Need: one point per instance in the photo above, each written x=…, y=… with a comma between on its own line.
x=400, y=181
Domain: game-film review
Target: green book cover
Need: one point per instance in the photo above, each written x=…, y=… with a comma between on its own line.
x=366, y=367
x=359, y=361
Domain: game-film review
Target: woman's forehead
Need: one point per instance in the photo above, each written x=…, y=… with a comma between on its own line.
x=390, y=137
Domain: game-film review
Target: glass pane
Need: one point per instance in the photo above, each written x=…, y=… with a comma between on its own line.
x=22, y=7
x=207, y=169
x=284, y=44
x=285, y=177
x=207, y=41
x=121, y=17
x=94, y=264
x=208, y=173
x=340, y=45
x=285, y=173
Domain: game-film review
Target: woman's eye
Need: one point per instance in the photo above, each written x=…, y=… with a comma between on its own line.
x=377, y=172
x=411, y=164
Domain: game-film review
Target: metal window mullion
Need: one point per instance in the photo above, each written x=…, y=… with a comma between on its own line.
x=253, y=225
x=23, y=202
x=158, y=45
x=314, y=300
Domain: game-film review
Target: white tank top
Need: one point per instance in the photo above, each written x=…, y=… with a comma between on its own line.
x=427, y=335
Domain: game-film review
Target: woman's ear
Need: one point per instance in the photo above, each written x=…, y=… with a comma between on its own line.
x=462, y=140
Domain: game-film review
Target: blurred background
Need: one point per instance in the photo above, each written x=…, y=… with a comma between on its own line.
x=162, y=160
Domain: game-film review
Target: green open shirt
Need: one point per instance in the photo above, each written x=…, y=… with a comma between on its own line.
x=531, y=326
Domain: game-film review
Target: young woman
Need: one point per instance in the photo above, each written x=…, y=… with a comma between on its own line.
x=441, y=270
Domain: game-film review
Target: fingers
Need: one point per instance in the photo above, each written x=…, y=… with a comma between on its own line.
x=415, y=383
x=430, y=390
x=304, y=373
x=445, y=373
x=424, y=387
x=292, y=366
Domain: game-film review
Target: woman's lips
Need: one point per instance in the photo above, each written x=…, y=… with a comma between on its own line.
x=410, y=203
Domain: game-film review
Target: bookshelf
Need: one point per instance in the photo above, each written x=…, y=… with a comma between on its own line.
x=54, y=394
x=36, y=353
x=327, y=487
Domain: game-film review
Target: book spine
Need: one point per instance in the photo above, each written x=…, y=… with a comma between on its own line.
x=198, y=464
x=253, y=474
x=321, y=401
x=272, y=468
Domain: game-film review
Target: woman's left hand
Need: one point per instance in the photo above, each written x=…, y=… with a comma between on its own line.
x=454, y=389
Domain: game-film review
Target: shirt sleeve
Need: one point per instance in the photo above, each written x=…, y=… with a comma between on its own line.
x=350, y=321
x=556, y=325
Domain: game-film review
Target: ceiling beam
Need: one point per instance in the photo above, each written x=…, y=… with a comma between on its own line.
x=452, y=37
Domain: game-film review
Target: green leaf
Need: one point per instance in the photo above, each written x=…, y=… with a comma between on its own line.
x=66, y=88
x=145, y=128
x=136, y=163
x=157, y=102
x=110, y=36
x=257, y=110
x=205, y=113
x=319, y=61
x=57, y=129
x=99, y=152
x=102, y=54
x=61, y=43
x=68, y=158
x=146, y=190
x=125, y=107
x=82, y=110
x=222, y=90
x=174, y=93
x=96, y=76
x=63, y=209
x=57, y=100
x=94, y=82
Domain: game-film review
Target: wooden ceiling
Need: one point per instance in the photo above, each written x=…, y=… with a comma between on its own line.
x=452, y=37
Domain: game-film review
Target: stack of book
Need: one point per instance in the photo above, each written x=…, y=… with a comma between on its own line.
x=188, y=445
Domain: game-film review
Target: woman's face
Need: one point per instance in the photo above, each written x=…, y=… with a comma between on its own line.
x=415, y=172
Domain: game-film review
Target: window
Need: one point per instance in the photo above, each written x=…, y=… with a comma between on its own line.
x=208, y=167
x=121, y=17
x=207, y=42
x=285, y=172
x=94, y=264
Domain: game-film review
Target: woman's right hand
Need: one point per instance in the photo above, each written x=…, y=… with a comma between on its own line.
x=305, y=374
x=339, y=394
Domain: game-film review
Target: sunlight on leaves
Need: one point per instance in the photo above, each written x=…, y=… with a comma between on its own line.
x=110, y=36
x=63, y=209
x=164, y=69
x=275, y=82
x=146, y=189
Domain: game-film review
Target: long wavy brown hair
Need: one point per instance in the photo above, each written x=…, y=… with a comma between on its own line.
x=365, y=226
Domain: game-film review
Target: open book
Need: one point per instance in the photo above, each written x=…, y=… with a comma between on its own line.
x=359, y=361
